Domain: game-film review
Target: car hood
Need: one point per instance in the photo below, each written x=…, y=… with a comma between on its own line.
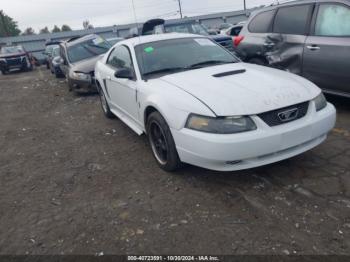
x=12, y=55
x=86, y=65
x=251, y=90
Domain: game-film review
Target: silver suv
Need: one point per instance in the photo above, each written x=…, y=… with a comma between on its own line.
x=310, y=38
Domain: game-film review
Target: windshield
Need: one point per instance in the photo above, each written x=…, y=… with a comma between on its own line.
x=88, y=49
x=189, y=28
x=50, y=48
x=113, y=41
x=11, y=50
x=170, y=56
x=56, y=51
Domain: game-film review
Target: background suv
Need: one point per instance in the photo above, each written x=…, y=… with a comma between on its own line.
x=14, y=57
x=159, y=26
x=309, y=38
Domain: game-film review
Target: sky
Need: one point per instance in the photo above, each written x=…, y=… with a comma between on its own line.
x=40, y=13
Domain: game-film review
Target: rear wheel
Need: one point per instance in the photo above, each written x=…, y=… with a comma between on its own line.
x=104, y=104
x=4, y=72
x=162, y=143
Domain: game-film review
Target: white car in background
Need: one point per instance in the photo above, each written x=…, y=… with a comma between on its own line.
x=200, y=105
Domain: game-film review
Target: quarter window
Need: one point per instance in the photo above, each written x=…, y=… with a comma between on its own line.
x=292, y=20
x=333, y=20
x=261, y=23
x=120, y=58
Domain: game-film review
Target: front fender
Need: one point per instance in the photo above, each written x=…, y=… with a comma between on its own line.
x=173, y=104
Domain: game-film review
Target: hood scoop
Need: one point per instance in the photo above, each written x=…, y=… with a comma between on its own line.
x=229, y=73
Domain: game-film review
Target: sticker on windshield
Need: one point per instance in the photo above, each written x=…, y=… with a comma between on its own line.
x=204, y=42
x=97, y=41
x=149, y=49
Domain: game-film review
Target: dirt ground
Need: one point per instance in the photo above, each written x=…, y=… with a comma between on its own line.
x=74, y=182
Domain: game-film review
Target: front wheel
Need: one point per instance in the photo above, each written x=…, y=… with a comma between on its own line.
x=104, y=104
x=162, y=143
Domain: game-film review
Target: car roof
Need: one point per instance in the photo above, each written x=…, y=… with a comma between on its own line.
x=157, y=37
x=80, y=40
x=296, y=2
x=184, y=21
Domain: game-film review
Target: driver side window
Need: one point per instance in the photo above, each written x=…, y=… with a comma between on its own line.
x=120, y=58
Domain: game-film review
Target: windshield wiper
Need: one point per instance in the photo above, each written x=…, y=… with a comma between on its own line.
x=208, y=63
x=166, y=70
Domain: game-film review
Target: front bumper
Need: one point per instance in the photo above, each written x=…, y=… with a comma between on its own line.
x=15, y=63
x=264, y=146
x=83, y=86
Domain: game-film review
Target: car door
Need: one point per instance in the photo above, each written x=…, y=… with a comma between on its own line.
x=290, y=28
x=327, y=50
x=122, y=92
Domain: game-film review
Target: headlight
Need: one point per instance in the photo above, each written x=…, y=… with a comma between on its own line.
x=220, y=125
x=320, y=102
x=81, y=76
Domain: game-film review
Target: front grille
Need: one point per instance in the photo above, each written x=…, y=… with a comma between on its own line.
x=273, y=118
x=227, y=44
x=14, y=61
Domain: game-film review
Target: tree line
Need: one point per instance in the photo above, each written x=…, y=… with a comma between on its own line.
x=9, y=27
x=45, y=30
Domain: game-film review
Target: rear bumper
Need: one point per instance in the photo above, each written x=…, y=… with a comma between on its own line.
x=257, y=148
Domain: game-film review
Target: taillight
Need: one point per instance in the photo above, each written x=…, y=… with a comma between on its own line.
x=237, y=40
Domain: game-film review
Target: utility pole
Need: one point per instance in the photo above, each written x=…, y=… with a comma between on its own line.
x=245, y=6
x=180, y=8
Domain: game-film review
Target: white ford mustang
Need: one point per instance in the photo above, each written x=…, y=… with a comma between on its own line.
x=200, y=105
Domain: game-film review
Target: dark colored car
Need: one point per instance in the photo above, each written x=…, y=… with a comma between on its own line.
x=187, y=26
x=54, y=62
x=14, y=57
x=234, y=30
x=309, y=38
x=49, y=46
x=77, y=61
x=223, y=26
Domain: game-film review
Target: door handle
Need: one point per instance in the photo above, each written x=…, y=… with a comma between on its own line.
x=313, y=47
x=108, y=78
x=269, y=44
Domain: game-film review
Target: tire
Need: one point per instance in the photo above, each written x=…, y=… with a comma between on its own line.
x=104, y=104
x=70, y=86
x=162, y=143
x=57, y=74
x=3, y=72
x=257, y=61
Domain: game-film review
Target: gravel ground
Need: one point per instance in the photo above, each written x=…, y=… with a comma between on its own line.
x=74, y=182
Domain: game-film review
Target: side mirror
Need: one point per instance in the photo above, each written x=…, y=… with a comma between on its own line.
x=125, y=73
x=58, y=60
